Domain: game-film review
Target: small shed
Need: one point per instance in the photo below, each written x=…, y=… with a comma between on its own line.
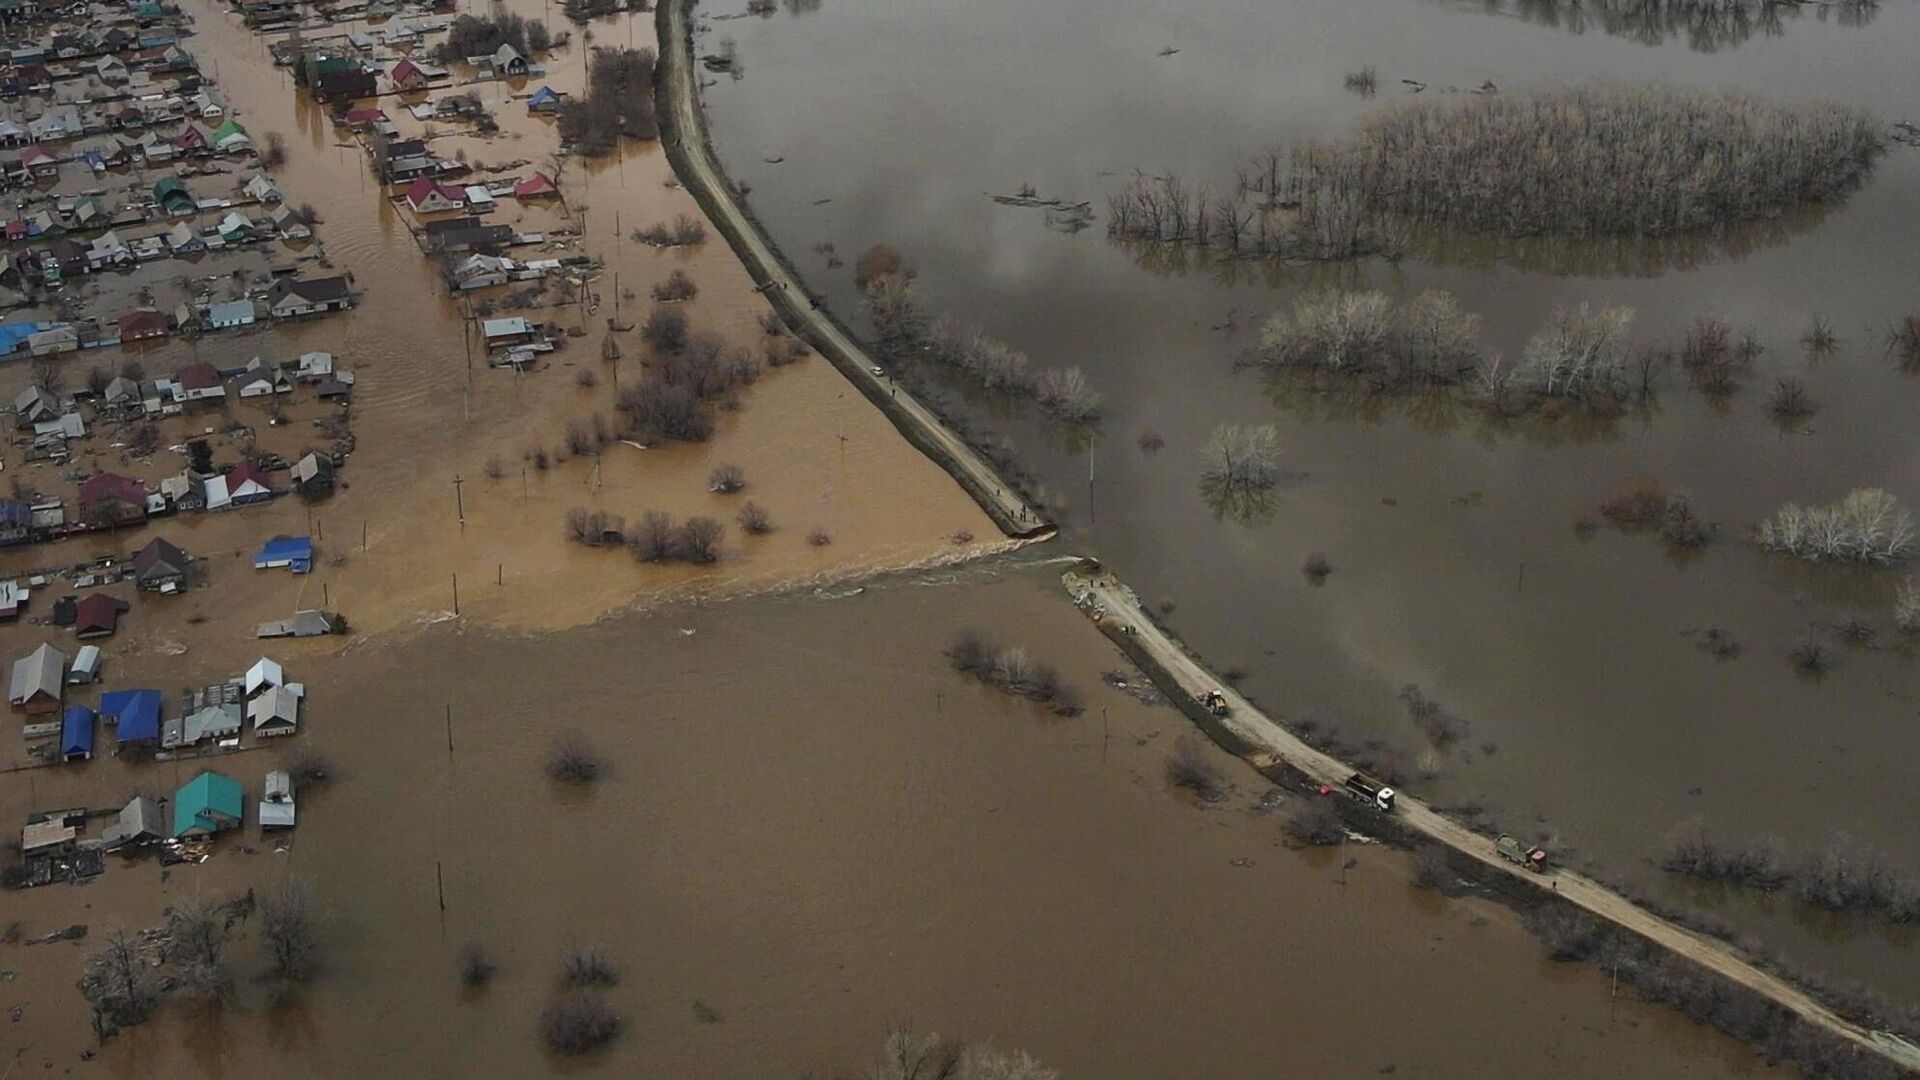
x=76, y=734
x=310, y=623
x=207, y=804
x=86, y=666
x=313, y=475
x=276, y=801
x=546, y=99
x=293, y=552
x=265, y=674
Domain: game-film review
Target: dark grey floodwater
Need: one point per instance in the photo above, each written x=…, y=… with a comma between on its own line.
x=1595, y=719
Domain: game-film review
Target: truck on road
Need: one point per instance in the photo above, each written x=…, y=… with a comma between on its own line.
x=1368, y=791
x=1526, y=855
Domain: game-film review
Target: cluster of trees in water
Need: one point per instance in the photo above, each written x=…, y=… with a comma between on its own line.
x=1575, y=161
x=471, y=35
x=906, y=329
x=618, y=103
x=1706, y=24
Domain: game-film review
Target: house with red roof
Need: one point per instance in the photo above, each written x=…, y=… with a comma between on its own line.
x=190, y=139
x=243, y=485
x=109, y=500
x=428, y=196
x=142, y=323
x=364, y=117
x=197, y=382
x=406, y=75
x=536, y=186
x=36, y=160
x=96, y=615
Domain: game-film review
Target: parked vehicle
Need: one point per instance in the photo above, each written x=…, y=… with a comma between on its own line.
x=1514, y=851
x=1368, y=791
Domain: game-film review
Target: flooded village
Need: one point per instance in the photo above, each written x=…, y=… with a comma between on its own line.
x=479, y=601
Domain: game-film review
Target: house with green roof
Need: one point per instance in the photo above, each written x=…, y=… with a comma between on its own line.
x=173, y=196
x=207, y=804
x=231, y=138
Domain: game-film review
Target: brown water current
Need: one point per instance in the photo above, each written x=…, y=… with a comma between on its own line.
x=811, y=827
x=1597, y=725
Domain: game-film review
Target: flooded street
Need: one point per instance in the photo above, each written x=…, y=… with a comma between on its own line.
x=1597, y=724
x=811, y=827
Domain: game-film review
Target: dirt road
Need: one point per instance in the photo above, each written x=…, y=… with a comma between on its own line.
x=1109, y=601
x=683, y=132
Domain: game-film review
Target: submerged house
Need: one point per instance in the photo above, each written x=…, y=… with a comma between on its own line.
x=207, y=804
x=76, y=734
x=312, y=296
x=293, y=552
x=109, y=500
x=275, y=712
x=160, y=567
x=140, y=822
x=242, y=485
x=429, y=196
x=96, y=615
x=39, y=681
x=276, y=801
x=135, y=716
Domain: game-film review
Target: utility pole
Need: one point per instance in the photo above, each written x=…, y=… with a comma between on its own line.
x=459, y=505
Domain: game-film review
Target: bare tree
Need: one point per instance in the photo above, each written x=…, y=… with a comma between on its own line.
x=1867, y=525
x=476, y=968
x=1188, y=768
x=584, y=966
x=119, y=982
x=877, y=262
x=697, y=540
x=287, y=930
x=1243, y=458
x=577, y=1023
x=651, y=539
x=48, y=373
x=573, y=761
x=754, y=519
x=726, y=479
x=197, y=932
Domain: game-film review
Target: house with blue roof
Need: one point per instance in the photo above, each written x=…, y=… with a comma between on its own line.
x=293, y=552
x=207, y=804
x=135, y=716
x=545, y=99
x=76, y=734
x=14, y=334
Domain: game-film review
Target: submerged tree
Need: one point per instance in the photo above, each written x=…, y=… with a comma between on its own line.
x=1243, y=458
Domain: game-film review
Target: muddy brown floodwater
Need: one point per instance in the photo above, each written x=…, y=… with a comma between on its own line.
x=815, y=454
x=813, y=828
x=1596, y=724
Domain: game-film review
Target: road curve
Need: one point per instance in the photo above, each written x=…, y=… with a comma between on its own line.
x=1112, y=604
x=683, y=132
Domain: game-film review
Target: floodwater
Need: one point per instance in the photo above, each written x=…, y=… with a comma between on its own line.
x=1596, y=723
x=812, y=828
x=416, y=510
